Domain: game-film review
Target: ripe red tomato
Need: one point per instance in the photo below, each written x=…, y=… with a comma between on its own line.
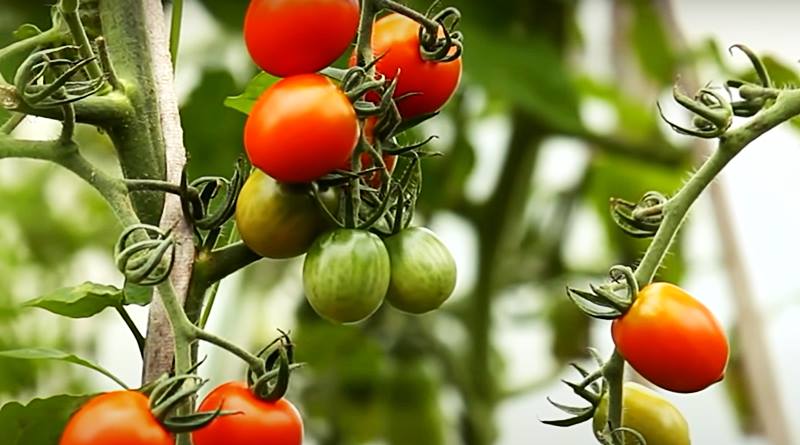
x=672, y=340
x=257, y=421
x=300, y=129
x=396, y=37
x=119, y=418
x=288, y=37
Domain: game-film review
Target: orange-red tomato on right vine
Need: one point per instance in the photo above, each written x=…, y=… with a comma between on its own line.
x=672, y=339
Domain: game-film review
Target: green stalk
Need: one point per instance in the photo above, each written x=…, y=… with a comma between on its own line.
x=614, y=373
x=369, y=9
x=786, y=106
x=69, y=11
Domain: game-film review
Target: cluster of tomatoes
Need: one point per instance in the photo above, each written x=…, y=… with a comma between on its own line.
x=304, y=128
x=676, y=343
x=300, y=130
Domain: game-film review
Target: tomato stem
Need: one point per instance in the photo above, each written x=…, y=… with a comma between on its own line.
x=787, y=105
x=364, y=56
x=137, y=335
x=614, y=373
x=69, y=11
x=431, y=26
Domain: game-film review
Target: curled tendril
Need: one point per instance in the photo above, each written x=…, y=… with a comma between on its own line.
x=46, y=79
x=199, y=195
x=713, y=113
x=758, y=65
x=641, y=219
x=145, y=254
x=272, y=382
x=618, y=272
x=445, y=44
x=603, y=301
x=170, y=393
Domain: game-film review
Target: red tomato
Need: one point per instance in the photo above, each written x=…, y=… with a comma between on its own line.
x=396, y=37
x=258, y=421
x=672, y=340
x=288, y=37
x=119, y=418
x=300, y=129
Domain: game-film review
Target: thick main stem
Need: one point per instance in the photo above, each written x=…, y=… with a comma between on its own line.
x=150, y=146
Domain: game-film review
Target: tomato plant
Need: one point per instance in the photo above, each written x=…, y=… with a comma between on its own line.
x=423, y=271
x=423, y=86
x=286, y=38
x=277, y=220
x=671, y=339
x=300, y=129
x=255, y=420
x=651, y=415
x=346, y=274
x=120, y=418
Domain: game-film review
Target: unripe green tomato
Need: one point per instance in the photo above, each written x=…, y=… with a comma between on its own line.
x=277, y=220
x=643, y=410
x=423, y=271
x=346, y=275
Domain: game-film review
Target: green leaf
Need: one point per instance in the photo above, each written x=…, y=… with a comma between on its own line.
x=27, y=30
x=80, y=301
x=54, y=354
x=244, y=102
x=136, y=294
x=40, y=422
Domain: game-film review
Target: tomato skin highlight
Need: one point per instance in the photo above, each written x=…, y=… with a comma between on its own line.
x=396, y=38
x=119, y=418
x=672, y=340
x=277, y=220
x=423, y=271
x=300, y=129
x=346, y=274
x=259, y=421
x=289, y=37
x=645, y=411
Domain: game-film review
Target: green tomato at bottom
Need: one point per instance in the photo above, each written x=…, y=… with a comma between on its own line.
x=346, y=275
x=423, y=271
x=643, y=410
